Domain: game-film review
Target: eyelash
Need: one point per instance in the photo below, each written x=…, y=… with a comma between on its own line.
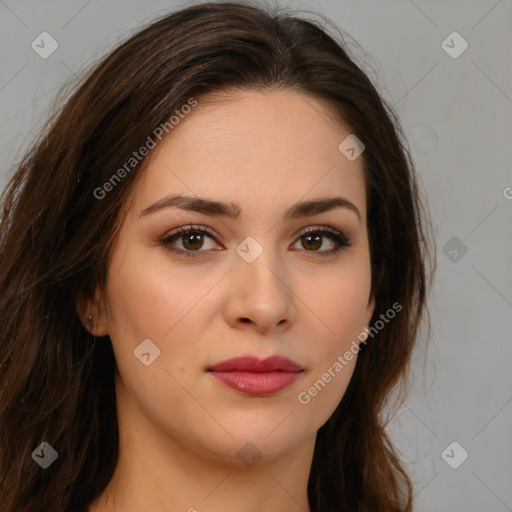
x=336, y=236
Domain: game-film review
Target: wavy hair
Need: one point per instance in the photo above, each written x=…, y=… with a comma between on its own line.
x=57, y=381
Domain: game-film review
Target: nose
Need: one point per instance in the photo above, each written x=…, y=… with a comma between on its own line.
x=260, y=295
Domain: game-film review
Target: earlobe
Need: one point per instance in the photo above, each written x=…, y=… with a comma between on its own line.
x=82, y=307
x=91, y=312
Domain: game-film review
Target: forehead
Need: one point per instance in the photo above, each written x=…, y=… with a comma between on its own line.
x=258, y=148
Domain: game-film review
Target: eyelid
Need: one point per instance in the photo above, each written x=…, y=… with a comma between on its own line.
x=315, y=229
x=191, y=227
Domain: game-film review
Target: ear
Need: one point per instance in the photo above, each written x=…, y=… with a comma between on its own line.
x=362, y=337
x=369, y=310
x=92, y=314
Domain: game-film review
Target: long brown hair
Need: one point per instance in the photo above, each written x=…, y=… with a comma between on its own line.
x=57, y=381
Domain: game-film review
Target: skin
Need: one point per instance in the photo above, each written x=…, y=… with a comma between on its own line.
x=180, y=429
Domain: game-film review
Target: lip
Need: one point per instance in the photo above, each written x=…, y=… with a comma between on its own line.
x=255, y=365
x=257, y=377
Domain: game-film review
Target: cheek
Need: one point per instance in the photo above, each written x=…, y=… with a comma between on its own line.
x=144, y=303
x=145, y=298
x=339, y=302
x=141, y=305
x=339, y=306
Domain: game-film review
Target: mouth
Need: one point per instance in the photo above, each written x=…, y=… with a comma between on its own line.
x=257, y=377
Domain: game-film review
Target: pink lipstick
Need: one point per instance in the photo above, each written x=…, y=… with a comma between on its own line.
x=257, y=377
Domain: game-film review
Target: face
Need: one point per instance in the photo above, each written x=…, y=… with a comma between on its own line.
x=191, y=285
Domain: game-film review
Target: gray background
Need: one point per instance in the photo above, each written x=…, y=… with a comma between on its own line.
x=457, y=115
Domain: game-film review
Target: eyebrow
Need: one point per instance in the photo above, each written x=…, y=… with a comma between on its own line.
x=232, y=210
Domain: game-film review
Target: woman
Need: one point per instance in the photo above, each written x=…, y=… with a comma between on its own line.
x=214, y=228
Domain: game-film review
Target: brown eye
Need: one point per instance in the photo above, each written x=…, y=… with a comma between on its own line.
x=192, y=241
x=313, y=239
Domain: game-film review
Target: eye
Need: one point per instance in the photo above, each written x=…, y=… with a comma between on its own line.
x=311, y=240
x=192, y=240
